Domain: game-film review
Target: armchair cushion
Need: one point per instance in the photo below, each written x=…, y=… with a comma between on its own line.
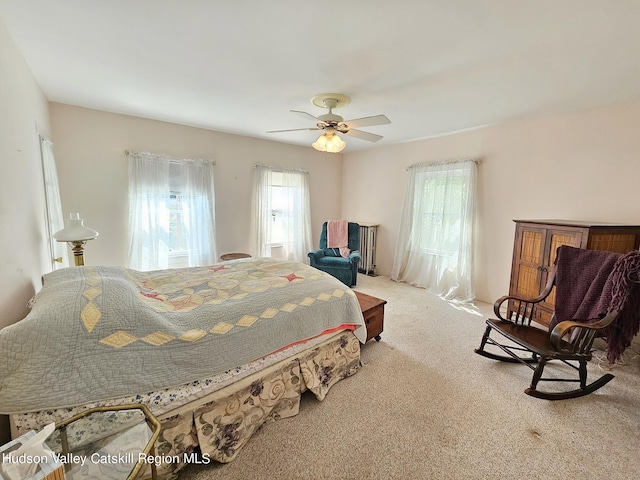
x=316, y=254
x=334, y=261
x=329, y=260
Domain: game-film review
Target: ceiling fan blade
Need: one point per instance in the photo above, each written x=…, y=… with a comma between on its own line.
x=293, y=130
x=367, y=121
x=370, y=137
x=306, y=115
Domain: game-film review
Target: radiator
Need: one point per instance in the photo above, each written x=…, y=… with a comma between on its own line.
x=368, y=236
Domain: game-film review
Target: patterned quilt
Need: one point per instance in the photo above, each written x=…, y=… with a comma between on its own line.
x=96, y=333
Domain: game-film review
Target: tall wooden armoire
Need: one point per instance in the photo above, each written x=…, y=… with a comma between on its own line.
x=536, y=242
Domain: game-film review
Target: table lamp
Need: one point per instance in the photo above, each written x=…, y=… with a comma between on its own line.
x=76, y=234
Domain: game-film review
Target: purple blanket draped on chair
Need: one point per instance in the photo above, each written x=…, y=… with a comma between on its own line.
x=625, y=298
x=582, y=291
x=592, y=283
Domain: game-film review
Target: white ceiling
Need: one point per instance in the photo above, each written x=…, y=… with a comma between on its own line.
x=431, y=66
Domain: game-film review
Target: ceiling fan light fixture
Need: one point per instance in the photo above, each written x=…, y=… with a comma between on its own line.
x=331, y=143
x=331, y=123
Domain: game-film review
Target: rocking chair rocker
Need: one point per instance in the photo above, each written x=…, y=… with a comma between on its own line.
x=569, y=342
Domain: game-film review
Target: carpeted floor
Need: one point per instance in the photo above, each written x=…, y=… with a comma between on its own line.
x=425, y=406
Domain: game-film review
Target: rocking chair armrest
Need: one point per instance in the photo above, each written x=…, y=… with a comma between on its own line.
x=541, y=297
x=498, y=303
x=561, y=330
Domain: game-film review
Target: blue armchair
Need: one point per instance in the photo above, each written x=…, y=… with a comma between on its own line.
x=329, y=259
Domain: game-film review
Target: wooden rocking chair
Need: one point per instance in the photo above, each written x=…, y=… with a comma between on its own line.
x=569, y=342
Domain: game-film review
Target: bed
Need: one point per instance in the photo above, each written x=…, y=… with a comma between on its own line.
x=214, y=352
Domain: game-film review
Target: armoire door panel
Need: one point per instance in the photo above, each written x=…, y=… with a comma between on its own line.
x=619, y=243
x=550, y=301
x=528, y=281
x=531, y=247
x=557, y=239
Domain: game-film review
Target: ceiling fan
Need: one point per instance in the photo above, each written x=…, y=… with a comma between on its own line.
x=332, y=124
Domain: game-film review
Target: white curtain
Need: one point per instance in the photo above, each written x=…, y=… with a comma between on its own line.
x=435, y=241
x=54, y=216
x=152, y=179
x=198, y=211
x=262, y=210
x=282, y=213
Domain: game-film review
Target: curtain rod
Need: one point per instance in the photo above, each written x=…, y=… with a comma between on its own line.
x=167, y=157
x=282, y=169
x=477, y=161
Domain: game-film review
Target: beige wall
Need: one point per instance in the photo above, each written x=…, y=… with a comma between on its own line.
x=92, y=169
x=582, y=166
x=23, y=253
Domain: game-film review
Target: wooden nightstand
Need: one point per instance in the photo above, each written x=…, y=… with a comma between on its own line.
x=373, y=313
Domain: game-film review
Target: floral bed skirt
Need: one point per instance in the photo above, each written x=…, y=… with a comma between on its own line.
x=222, y=422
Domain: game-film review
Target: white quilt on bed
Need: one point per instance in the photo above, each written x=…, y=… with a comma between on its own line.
x=100, y=332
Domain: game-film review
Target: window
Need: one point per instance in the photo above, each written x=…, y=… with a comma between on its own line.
x=171, y=212
x=434, y=248
x=282, y=214
x=441, y=206
x=279, y=211
x=177, y=242
x=177, y=239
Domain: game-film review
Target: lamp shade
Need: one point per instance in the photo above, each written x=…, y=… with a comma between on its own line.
x=328, y=142
x=75, y=231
